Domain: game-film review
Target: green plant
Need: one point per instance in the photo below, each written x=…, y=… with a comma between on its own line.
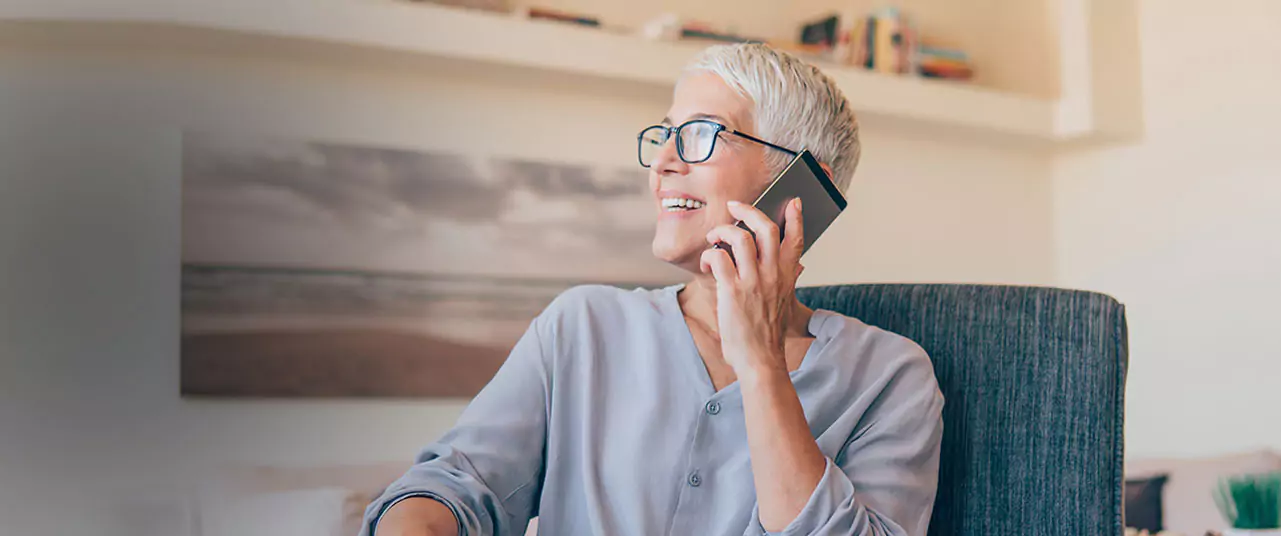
x=1250, y=501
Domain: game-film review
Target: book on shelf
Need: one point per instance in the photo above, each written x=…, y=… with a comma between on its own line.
x=939, y=62
x=561, y=16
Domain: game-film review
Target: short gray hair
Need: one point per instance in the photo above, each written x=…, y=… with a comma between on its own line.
x=796, y=105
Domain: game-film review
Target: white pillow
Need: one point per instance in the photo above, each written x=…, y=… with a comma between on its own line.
x=305, y=512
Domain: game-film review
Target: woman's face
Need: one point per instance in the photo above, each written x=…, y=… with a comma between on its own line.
x=736, y=171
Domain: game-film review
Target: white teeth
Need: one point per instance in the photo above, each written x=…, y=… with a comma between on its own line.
x=677, y=203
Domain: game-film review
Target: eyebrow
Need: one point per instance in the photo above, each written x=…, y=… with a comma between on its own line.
x=714, y=117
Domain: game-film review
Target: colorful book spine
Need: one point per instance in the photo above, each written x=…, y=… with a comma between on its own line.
x=887, y=40
x=869, y=43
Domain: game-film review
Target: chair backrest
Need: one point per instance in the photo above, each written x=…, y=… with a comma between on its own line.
x=1034, y=381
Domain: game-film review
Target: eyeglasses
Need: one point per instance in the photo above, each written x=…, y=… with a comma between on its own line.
x=695, y=141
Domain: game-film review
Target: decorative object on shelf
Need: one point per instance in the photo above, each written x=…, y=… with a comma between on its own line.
x=951, y=64
x=484, y=5
x=1251, y=504
x=826, y=38
x=821, y=37
x=539, y=13
x=665, y=27
x=334, y=270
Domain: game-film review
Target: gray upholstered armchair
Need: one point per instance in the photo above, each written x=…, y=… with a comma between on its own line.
x=1034, y=380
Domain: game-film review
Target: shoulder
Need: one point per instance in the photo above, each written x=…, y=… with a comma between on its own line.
x=881, y=359
x=596, y=304
x=576, y=322
x=871, y=342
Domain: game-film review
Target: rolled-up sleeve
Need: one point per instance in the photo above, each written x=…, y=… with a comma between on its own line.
x=885, y=478
x=488, y=468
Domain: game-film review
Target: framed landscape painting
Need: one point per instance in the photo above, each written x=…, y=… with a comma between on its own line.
x=314, y=269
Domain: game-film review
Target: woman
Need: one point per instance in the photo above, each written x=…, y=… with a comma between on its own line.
x=718, y=407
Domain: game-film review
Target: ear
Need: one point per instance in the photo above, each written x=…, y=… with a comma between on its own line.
x=826, y=169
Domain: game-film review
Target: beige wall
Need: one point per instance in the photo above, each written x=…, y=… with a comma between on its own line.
x=89, y=184
x=1185, y=228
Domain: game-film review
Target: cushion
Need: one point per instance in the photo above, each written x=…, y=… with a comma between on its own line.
x=1143, y=503
x=1033, y=381
x=1188, y=503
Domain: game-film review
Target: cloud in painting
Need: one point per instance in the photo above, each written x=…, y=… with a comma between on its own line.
x=250, y=199
x=573, y=180
x=353, y=184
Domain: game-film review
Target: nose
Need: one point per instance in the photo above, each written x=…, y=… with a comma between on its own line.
x=668, y=160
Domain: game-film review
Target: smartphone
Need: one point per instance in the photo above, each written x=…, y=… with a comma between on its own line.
x=821, y=201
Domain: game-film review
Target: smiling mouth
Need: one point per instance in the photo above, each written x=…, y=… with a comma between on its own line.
x=681, y=204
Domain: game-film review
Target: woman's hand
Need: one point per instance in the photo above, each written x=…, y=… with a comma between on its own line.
x=754, y=299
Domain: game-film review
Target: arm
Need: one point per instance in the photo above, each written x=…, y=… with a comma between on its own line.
x=786, y=462
x=883, y=481
x=483, y=476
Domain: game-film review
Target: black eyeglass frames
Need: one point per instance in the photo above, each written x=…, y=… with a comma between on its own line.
x=695, y=141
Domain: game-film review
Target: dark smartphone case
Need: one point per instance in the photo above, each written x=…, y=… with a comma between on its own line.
x=821, y=202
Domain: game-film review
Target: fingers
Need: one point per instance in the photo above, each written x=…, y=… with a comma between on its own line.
x=793, y=236
x=765, y=229
x=744, y=249
x=718, y=263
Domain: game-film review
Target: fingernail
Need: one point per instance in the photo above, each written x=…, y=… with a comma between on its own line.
x=735, y=203
x=798, y=203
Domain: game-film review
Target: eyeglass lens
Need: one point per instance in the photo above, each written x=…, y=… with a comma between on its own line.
x=696, y=139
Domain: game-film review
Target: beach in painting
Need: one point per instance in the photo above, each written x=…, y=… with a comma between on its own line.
x=321, y=270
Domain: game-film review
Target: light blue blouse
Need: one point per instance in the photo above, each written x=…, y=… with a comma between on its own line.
x=604, y=421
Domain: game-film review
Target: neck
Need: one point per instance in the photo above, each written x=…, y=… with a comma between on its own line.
x=698, y=302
